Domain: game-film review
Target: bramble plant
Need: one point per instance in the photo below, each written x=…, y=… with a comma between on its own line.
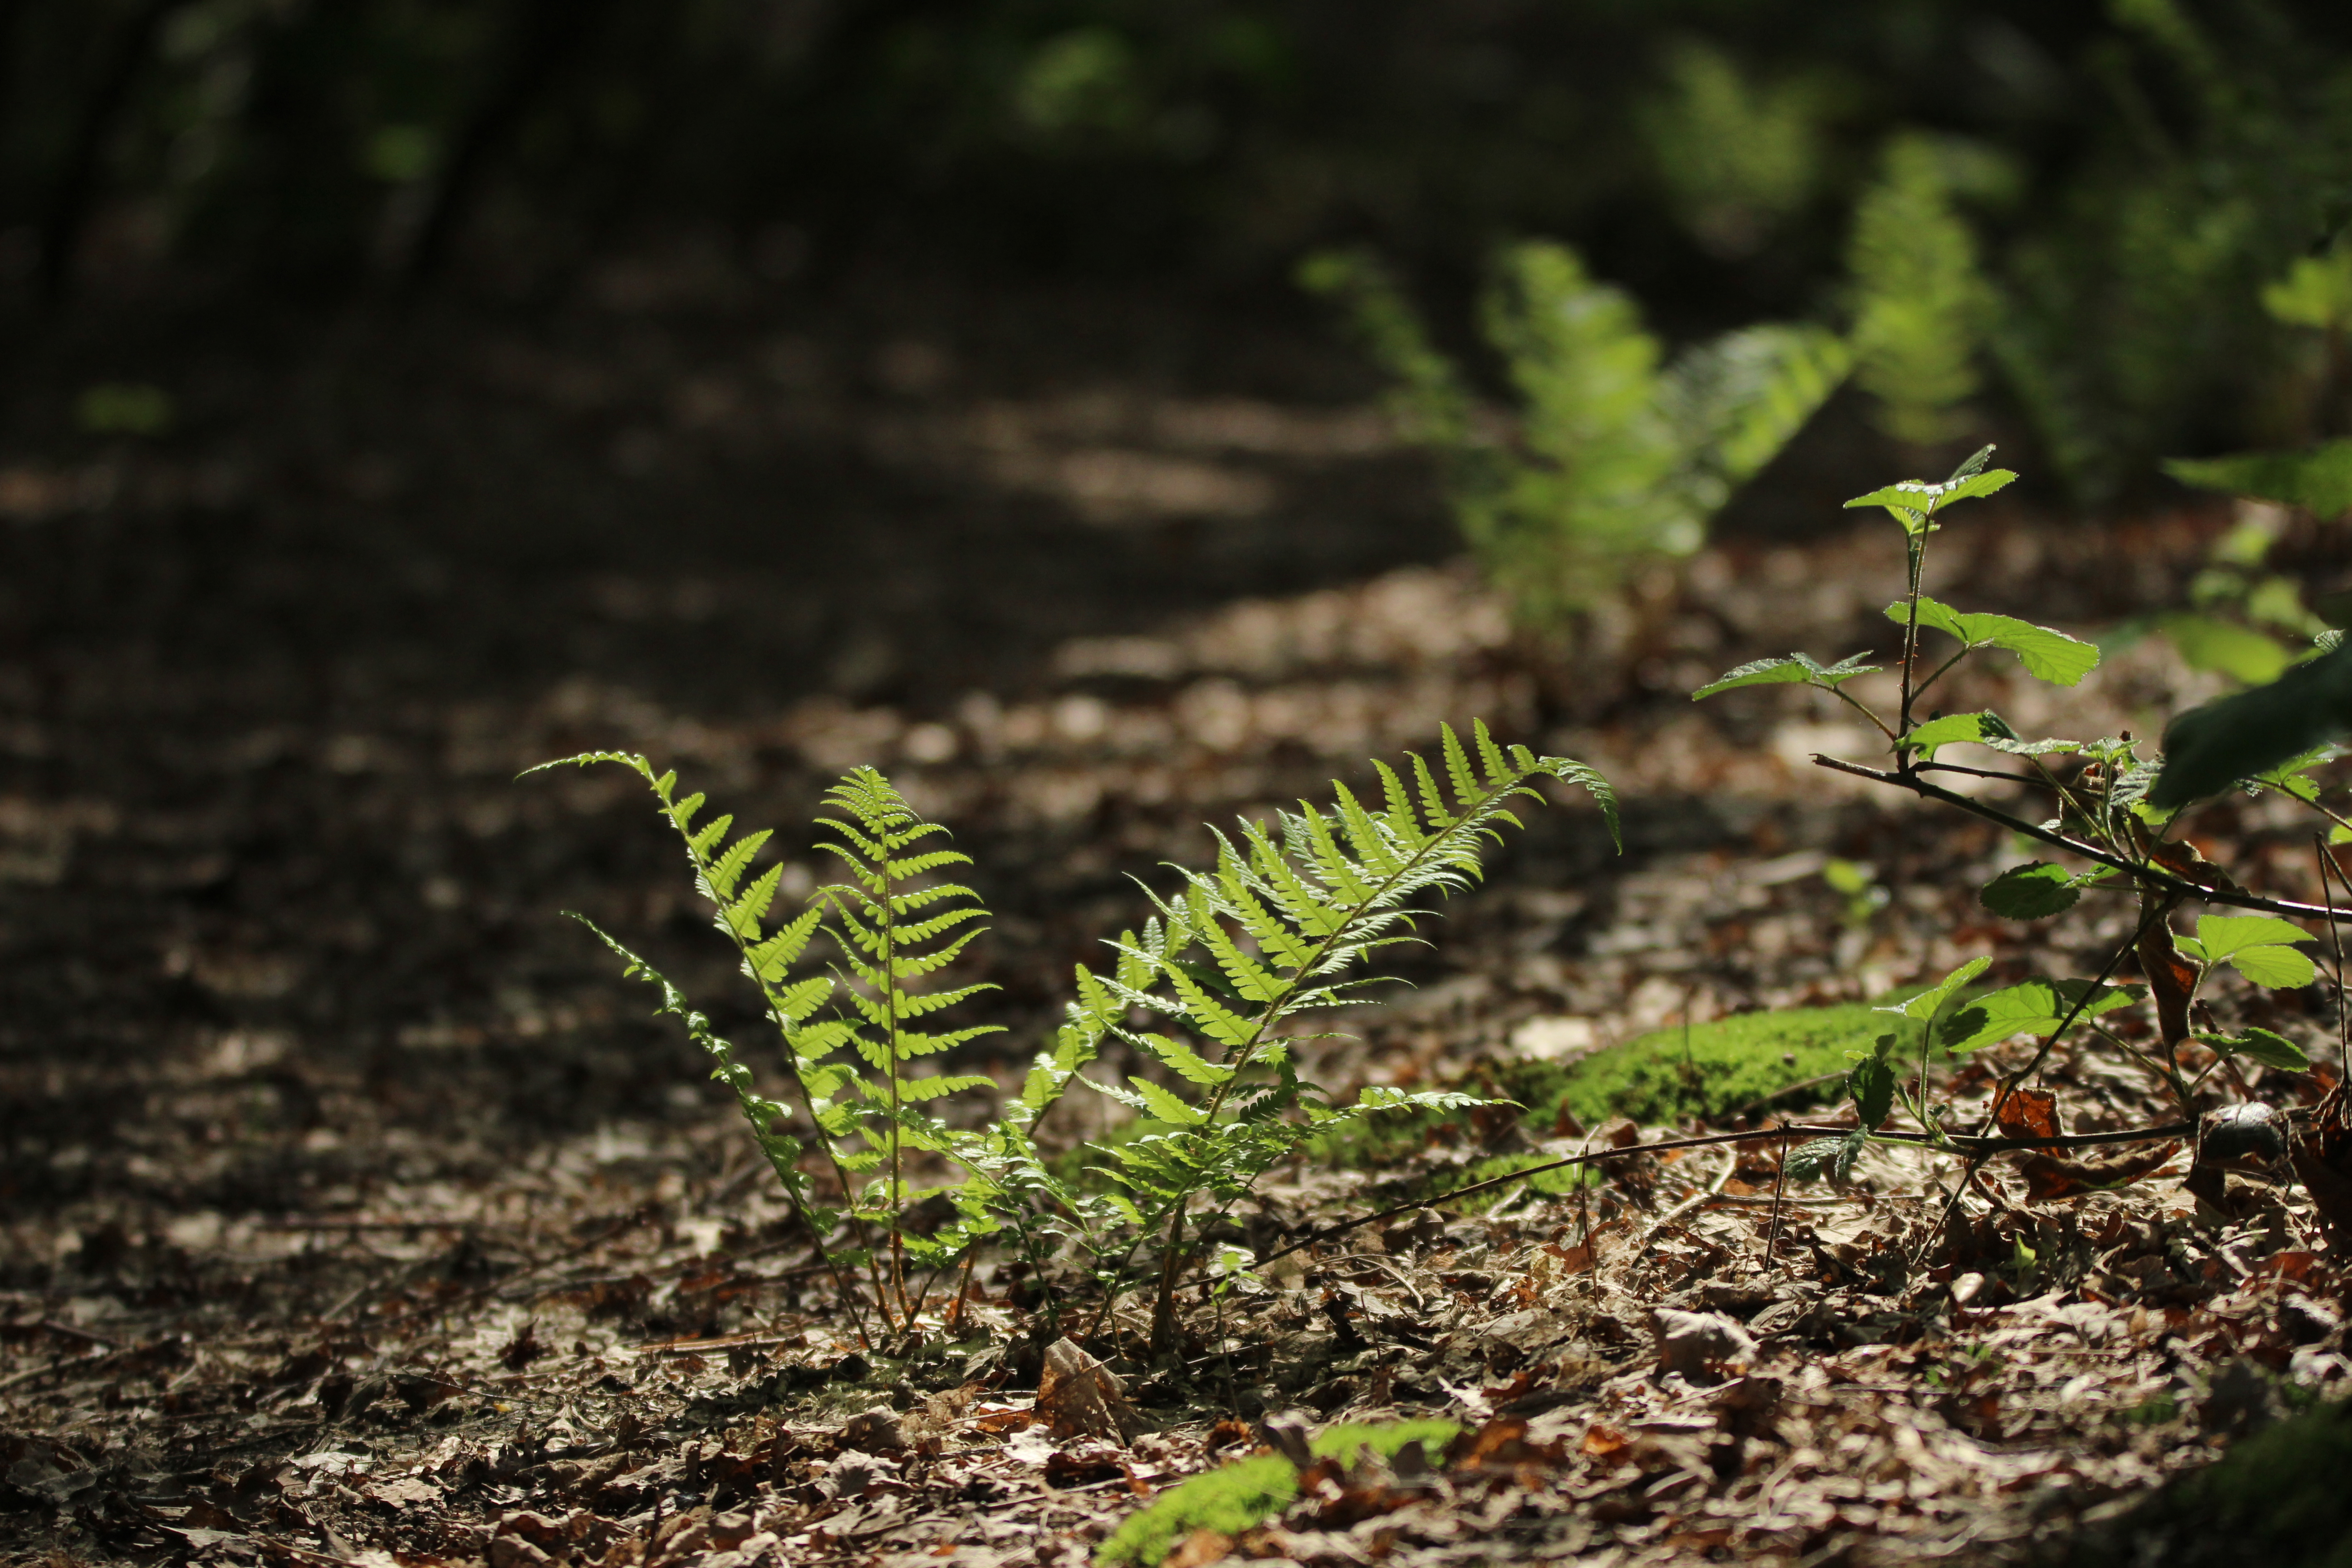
x=2114, y=813
x=1226, y=966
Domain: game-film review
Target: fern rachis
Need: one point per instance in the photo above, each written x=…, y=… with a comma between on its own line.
x=885, y=949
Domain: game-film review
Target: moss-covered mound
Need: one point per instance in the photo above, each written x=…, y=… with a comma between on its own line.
x=1711, y=1070
x=2278, y=1498
x=1250, y=1491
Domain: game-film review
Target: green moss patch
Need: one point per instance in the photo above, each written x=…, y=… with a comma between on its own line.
x=1712, y=1070
x=1251, y=1492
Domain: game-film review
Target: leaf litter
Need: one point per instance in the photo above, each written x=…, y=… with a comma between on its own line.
x=609, y=1346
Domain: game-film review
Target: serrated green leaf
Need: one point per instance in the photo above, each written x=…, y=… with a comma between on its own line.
x=1871, y=1083
x=2208, y=749
x=2034, y=891
x=1927, y=1003
x=2035, y=1007
x=2047, y=654
x=2260, y=947
x=1952, y=729
x=1830, y=1157
x=2263, y=1047
x=1795, y=668
x=2279, y=968
x=1913, y=501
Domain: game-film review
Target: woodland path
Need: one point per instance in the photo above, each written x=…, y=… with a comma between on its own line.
x=350, y=1199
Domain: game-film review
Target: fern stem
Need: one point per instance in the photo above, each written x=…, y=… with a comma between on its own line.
x=890, y=1066
x=808, y=1102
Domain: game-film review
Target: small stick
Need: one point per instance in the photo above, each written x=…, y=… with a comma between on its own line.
x=1978, y=1147
x=1714, y=1189
x=2148, y=874
x=1779, y=1186
x=2326, y=891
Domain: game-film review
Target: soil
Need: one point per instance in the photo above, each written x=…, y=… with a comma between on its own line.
x=356, y=1210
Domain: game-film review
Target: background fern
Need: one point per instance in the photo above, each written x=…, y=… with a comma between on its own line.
x=1922, y=307
x=1615, y=457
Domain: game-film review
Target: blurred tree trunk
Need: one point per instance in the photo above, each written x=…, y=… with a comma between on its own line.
x=75, y=189
x=544, y=33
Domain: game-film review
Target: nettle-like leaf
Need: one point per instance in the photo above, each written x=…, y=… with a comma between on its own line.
x=2261, y=1046
x=1826, y=1157
x=1871, y=1083
x=1913, y=503
x=2034, y=891
x=2260, y=947
x=2293, y=777
x=1952, y=729
x=2047, y=654
x=1926, y=1004
x=2035, y=1008
x=2247, y=733
x=1790, y=669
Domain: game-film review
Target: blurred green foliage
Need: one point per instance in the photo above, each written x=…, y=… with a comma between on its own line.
x=1614, y=455
x=2113, y=220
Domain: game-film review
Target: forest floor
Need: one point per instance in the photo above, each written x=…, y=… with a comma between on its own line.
x=356, y=1212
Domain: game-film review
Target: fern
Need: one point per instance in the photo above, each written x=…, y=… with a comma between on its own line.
x=1615, y=459
x=891, y=929
x=1736, y=158
x=896, y=926
x=1922, y=306
x=1272, y=933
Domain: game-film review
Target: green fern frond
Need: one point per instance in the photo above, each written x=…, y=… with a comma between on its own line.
x=892, y=930
x=1277, y=923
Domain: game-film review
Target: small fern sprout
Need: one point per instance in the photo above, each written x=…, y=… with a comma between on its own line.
x=895, y=927
x=1271, y=933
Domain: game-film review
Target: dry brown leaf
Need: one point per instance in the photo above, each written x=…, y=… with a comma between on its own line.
x=2052, y=1175
x=1078, y=1397
x=2029, y=1114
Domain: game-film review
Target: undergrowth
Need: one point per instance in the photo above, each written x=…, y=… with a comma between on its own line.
x=1202, y=996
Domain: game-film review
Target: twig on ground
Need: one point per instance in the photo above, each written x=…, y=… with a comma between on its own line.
x=1696, y=1200
x=2148, y=875
x=1977, y=1148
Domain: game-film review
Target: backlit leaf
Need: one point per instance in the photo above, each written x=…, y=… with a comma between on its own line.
x=2035, y=1008
x=2261, y=1045
x=2033, y=891
x=1795, y=668
x=2047, y=654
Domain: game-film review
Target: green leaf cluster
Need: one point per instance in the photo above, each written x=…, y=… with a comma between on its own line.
x=1218, y=979
x=1614, y=456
